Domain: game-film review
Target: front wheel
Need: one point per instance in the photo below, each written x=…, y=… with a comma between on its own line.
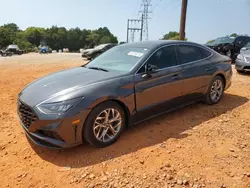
x=104, y=124
x=215, y=91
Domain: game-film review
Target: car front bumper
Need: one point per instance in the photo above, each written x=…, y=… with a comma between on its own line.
x=56, y=133
x=242, y=65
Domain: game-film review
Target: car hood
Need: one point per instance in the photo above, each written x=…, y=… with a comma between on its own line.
x=93, y=51
x=245, y=52
x=87, y=50
x=61, y=83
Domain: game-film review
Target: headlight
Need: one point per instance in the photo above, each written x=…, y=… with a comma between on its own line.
x=58, y=107
x=241, y=57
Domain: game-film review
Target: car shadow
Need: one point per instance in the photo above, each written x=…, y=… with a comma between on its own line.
x=149, y=133
x=245, y=73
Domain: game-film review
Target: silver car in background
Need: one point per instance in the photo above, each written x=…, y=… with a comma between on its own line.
x=242, y=63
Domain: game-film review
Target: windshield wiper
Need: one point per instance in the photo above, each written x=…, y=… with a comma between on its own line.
x=97, y=68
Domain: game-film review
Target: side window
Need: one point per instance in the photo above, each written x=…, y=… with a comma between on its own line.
x=189, y=53
x=205, y=53
x=163, y=58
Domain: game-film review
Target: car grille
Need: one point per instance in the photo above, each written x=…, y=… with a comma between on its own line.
x=26, y=114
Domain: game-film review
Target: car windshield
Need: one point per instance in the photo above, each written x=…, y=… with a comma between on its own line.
x=224, y=40
x=120, y=58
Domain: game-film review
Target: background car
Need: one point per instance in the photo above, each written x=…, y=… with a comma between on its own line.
x=242, y=63
x=44, y=50
x=126, y=85
x=85, y=51
x=14, y=49
x=5, y=53
x=229, y=46
x=91, y=54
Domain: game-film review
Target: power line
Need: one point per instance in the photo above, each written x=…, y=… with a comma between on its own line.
x=156, y=4
x=167, y=5
x=178, y=5
x=137, y=7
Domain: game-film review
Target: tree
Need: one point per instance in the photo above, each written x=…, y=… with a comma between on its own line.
x=93, y=38
x=35, y=35
x=234, y=35
x=55, y=37
x=210, y=41
x=8, y=34
x=23, y=43
x=172, y=35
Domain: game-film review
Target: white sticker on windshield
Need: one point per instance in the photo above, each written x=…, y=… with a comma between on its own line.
x=136, y=54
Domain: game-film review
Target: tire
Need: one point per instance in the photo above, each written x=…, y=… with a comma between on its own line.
x=209, y=97
x=240, y=71
x=91, y=128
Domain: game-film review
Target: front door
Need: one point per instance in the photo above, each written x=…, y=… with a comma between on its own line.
x=155, y=92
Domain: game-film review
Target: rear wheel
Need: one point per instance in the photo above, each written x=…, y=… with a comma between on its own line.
x=104, y=124
x=215, y=90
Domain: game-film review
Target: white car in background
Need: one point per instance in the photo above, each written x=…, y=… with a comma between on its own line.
x=242, y=63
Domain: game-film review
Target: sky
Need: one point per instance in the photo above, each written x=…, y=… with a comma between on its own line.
x=206, y=19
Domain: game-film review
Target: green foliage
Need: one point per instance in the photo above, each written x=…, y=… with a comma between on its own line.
x=22, y=42
x=210, y=41
x=7, y=34
x=234, y=35
x=172, y=35
x=34, y=35
x=55, y=37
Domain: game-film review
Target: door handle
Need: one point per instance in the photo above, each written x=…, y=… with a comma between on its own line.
x=175, y=77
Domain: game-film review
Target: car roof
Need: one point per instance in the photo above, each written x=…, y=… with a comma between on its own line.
x=12, y=46
x=243, y=36
x=156, y=43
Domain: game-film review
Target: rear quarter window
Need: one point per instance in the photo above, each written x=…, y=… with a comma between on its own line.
x=205, y=53
x=189, y=54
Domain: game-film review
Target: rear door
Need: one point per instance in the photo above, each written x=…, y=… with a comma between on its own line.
x=197, y=70
x=157, y=92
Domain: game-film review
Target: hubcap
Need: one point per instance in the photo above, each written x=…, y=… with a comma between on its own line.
x=216, y=90
x=107, y=125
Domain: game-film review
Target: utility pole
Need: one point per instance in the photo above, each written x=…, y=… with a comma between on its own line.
x=183, y=19
x=131, y=29
x=145, y=4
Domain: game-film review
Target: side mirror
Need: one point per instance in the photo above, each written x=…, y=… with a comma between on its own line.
x=149, y=68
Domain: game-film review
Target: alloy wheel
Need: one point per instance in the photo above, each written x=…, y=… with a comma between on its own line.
x=216, y=90
x=107, y=125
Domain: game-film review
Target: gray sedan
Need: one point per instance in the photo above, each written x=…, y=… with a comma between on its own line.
x=242, y=63
x=125, y=85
